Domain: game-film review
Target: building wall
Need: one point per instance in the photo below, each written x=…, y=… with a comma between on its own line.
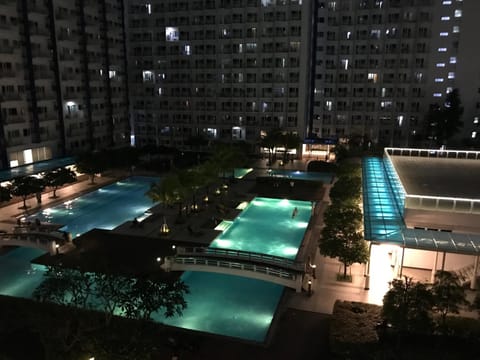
x=380, y=64
x=220, y=69
x=63, y=87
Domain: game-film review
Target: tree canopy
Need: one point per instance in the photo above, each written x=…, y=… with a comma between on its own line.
x=407, y=306
x=25, y=186
x=91, y=163
x=59, y=177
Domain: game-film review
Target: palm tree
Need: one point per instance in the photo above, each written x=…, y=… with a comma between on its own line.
x=25, y=186
x=169, y=191
x=271, y=141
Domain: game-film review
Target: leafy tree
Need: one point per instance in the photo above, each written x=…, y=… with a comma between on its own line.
x=346, y=189
x=443, y=121
x=5, y=194
x=271, y=141
x=91, y=164
x=25, y=186
x=65, y=286
x=341, y=238
x=289, y=140
x=407, y=306
x=448, y=295
x=226, y=158
x=59, y=177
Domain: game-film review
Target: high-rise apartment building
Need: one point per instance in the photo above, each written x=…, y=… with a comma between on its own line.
x=225, y=70
x=62, y=78
x=380, y=64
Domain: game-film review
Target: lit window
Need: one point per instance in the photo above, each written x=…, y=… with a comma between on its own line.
x=475, y=120
x=438, y=80
x=444, y=33
x=172, y=34
x=345, y=63
x=112, y=73
x=442, y=49
x=372, y=77
x=449, y=90
x=328, y=105
x=149, y=8
x=349, y=34
x=187, y=50
x=440, y=64
x=147, y=75
x=445, y=18
x=474, y=134
x=456, y=29
x=160, y=91
x=458, y=13
x=437, y=95
x=453, y=60
x=400, y=120
x=451, y=75
x=447, y=2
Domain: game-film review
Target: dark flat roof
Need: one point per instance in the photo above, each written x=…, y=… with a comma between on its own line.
x=439, y=176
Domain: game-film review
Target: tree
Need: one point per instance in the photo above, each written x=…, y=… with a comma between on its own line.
x=25, y=186
x=5, y=194
x=289, y=140
x=91, y=164
x=448, y=294
x=341, y=238
x=346, y=189
x=270, y=142
x=443, y=121
x=407, y=306
x=59, y=177
x=169, y=191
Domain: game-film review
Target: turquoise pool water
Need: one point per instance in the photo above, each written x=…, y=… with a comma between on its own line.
x=219, y=304
x=105, y=208
x=236, y=306
x=326, y=178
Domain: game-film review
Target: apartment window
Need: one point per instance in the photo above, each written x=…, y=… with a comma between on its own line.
x=440, y=65
x=474, y=134
x=453, y=60
x=372, y=77
x=445, y=18
x=328, y=105
x=456, y=29
x=437, y=94
x=443, y=49
x=438, y=80
x=447, y=2
x=444, y=33
x=475, y=120
x=451, y=75
x=458, y=13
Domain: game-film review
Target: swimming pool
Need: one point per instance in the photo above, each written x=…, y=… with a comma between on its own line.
x=324, y=177
x=105, y=208
x=219, y=304
x=236, y=306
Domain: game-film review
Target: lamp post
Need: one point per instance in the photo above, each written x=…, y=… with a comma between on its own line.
x=309, y=287
x=57, y=247
x=314, y=275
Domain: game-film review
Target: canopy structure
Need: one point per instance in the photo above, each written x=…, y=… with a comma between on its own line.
x=383, y=207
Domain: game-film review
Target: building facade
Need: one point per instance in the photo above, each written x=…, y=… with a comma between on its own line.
x=379, y=65
x=62, y=78
x=227, y=70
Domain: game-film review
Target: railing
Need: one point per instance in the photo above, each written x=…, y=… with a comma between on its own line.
x=292, y=279
x=242, y=256
x=44, y=241
x=280, y=273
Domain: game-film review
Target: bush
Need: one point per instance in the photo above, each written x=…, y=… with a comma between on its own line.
x=353, y=328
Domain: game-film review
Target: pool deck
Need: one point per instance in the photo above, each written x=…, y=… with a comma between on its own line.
x=301, y=329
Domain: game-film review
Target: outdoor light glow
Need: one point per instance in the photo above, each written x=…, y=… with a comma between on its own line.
x=223, y=243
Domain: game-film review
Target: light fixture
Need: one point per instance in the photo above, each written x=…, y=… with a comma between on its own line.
x=164, y=230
